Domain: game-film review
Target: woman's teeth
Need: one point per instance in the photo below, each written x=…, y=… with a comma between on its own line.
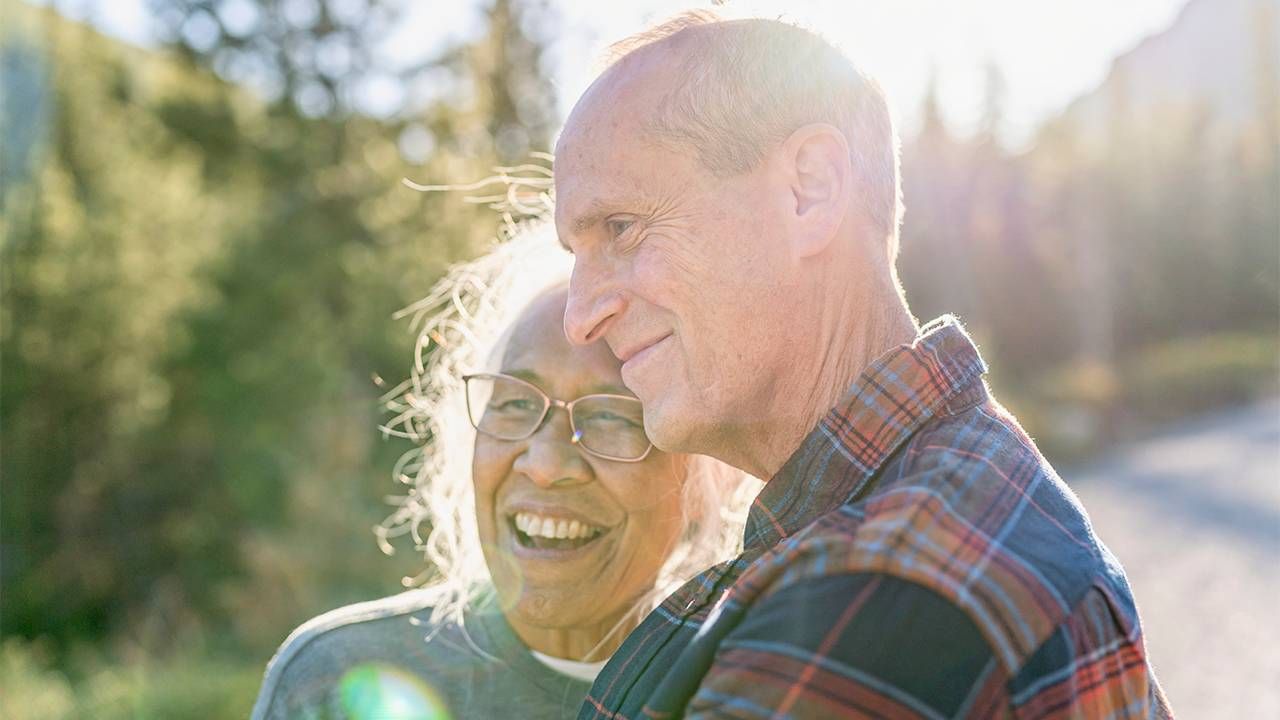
x=552, y=528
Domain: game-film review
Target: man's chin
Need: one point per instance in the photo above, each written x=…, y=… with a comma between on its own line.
x=666, y=431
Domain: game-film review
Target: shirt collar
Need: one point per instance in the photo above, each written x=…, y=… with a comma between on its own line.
x=939, y=372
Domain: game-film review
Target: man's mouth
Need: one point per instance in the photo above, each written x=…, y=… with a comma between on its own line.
x=634, y=358
x=543, y=532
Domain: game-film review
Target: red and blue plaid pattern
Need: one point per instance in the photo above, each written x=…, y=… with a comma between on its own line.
x=916, y=558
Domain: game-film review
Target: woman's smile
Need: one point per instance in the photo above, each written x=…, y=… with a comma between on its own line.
x=552, y=533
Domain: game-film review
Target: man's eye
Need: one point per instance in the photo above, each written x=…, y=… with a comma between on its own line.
x=617, y=227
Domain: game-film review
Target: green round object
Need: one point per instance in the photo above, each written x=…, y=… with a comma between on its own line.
x=378, y=691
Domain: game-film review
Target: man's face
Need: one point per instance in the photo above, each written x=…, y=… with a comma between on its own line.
x=679, y=271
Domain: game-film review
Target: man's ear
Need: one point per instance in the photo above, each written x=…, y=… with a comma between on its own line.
x=821, y=177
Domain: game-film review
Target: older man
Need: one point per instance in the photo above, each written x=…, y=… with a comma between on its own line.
x=730, y=192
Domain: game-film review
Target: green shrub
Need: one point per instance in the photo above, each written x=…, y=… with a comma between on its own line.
x=32, y=687
x=1192, y=375
x=1078, y=409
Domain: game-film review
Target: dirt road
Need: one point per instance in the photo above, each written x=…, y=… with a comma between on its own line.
x=1194, y=516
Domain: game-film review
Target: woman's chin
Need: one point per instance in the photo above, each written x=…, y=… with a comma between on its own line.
x=555, y=608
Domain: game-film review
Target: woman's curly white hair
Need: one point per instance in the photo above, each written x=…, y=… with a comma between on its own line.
x=462, y=326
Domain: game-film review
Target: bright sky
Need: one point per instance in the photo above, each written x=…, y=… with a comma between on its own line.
x=1049, y=52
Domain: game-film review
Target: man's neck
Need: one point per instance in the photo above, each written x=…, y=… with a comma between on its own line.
x=814, y=388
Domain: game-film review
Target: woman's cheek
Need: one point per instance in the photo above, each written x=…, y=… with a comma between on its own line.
x=651, y=486
x=663, y=507
x=487, y=465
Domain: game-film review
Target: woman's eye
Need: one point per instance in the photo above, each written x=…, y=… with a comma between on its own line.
x=614, y=419
x=519, y=405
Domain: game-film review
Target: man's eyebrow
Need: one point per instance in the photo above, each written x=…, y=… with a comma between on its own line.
x=583, y=223
x=591, y=218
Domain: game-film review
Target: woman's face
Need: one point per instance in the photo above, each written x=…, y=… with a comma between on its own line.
x=629, y=512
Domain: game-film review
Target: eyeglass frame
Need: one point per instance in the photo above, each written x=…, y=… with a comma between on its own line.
x=547, y=405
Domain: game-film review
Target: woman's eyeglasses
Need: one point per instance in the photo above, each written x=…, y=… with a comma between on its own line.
x=508, y=408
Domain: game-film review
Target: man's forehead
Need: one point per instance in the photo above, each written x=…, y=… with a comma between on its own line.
x=600, y=158
x=597, y=136
x=617, y=106
x=598, y=182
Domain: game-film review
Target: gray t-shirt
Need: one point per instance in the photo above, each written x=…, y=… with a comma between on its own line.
x=382, y=659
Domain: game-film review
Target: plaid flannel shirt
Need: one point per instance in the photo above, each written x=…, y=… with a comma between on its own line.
x=915, y=558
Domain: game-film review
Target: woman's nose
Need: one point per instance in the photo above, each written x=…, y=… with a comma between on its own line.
x=550, y=457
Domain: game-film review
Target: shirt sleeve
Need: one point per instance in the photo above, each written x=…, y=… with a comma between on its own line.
x=852, y=646
x=295, y=685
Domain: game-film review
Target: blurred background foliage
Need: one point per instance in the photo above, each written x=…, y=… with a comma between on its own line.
x=202, y=248
x=198, y=285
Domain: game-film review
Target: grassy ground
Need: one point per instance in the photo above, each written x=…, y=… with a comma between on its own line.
x=185, y=688
x=1078, y=410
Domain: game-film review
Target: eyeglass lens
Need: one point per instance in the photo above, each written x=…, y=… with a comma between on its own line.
x=510, y=409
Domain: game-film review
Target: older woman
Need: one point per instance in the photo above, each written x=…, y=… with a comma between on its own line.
x=564, y=529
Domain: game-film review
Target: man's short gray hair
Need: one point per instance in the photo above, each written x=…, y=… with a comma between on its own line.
x=748, y=84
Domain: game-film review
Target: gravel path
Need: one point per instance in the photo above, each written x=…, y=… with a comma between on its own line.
x=1194, y=516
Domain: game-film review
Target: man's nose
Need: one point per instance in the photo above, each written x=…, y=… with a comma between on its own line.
x=550, y=457
x=591, y=306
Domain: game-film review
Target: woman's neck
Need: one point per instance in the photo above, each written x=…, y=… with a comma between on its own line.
x=585, y=643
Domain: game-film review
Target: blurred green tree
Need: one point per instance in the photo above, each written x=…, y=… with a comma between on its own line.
x=198, y=283
x=1092, y=262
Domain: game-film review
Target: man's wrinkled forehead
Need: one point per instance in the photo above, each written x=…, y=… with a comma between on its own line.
x=621, y=98
x=602, y=179
x=603, y=155
x=613, y=115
